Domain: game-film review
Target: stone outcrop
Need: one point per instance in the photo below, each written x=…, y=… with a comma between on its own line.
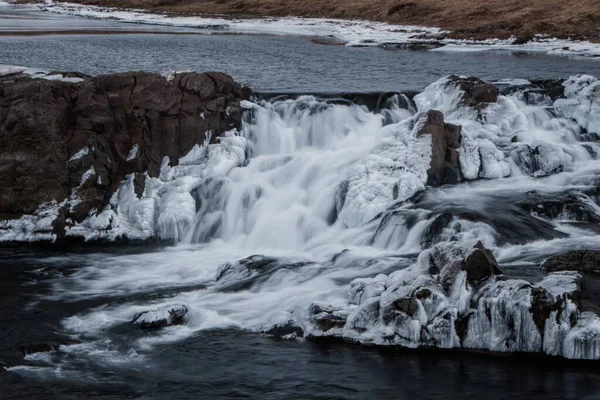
x=576, y=260
x=456, y=297
x=476, y=93
x=445, y=141
x=78, y=140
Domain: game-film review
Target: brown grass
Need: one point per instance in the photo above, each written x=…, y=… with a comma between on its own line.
x=478, y=19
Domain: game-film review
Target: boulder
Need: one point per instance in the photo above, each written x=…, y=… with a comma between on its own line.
x=476, y=93
x=285, y=330
x=480, y=263
x=445, y=142
x=161, y=317
x=79, y=140
x=326, y=319
x=575, y=260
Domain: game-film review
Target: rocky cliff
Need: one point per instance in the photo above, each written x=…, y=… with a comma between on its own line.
x=75, y=140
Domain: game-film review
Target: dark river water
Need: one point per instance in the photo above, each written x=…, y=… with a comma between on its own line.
x=238, y=364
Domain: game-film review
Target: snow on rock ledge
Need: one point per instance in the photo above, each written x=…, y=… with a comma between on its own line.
x=455, y=296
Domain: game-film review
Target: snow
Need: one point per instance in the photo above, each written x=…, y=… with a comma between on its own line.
x=552, y=46
x=36, y=73
x=80, y=154
x=133, y=152
x=87, y=175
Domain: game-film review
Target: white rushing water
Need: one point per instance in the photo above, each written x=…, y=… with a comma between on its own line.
x=326, y=194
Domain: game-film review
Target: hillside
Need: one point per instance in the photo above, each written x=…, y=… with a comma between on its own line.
x=479, y=19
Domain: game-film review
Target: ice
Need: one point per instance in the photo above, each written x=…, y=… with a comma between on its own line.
x=564, y=47
x=80, y=154
x=395, y=170
x=582, y=102
x=583, y=342
x=133, y=152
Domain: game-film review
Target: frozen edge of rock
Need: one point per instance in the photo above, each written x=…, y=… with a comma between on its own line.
x=456, y=297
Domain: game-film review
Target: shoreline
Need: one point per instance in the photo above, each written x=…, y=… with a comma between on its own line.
x=352, y=33
x=462, y=19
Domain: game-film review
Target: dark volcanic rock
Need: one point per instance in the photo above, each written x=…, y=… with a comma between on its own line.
x=327, y=318
x=538, y=92
x=445, y=141
x=480, y=264
x=576, y=260
x=476, y=93
x=59, y=139
x=572, y=206
x=288, y=329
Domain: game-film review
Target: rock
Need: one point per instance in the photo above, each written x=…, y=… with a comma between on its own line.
x=575, y=260
x=244, y=273
x=433, y=233
x=476, y=93
x=540, y=92
x=540, y=159
x=480, y=264
x=327, y=318
x=285, y=330
x=570, y=206
x=161, y=317
x=464, y=303
x=61, y=139
x=445, y=141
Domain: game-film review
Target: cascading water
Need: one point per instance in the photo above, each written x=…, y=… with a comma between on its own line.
x=333, y=198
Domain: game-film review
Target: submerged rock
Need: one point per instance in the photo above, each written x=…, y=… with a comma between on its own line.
x=78, y=140
x=161, y=317
x=242, y=274
x=576, y=260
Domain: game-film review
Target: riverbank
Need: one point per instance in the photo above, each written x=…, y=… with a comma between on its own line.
x=353, y=33
x=472, y=19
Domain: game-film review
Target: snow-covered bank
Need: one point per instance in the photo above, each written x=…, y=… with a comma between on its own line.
x=35, y=73
x=349, y=32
